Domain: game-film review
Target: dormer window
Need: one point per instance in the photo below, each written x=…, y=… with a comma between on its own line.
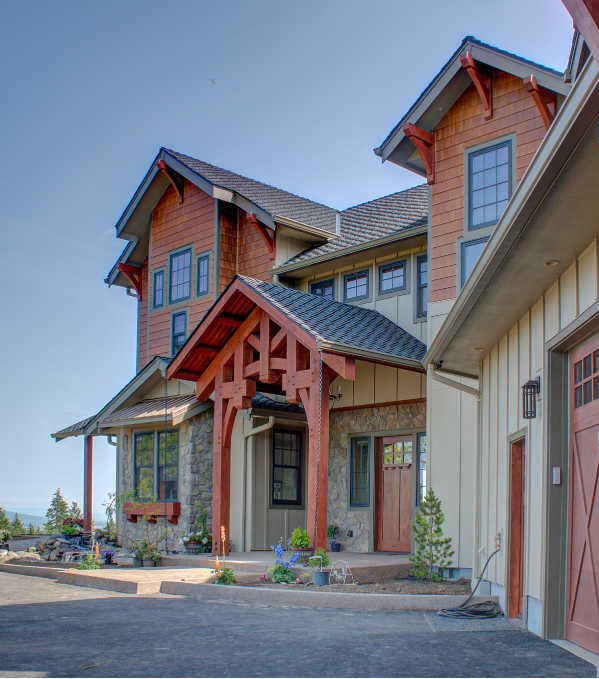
x=180, y=278
x=490, y=185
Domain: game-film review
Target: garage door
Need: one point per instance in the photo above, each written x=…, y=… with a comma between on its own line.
x=582, y=619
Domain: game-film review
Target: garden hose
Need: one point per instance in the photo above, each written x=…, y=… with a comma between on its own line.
x=484, y=609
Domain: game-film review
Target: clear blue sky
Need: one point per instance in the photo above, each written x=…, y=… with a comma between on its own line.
x=295, y=94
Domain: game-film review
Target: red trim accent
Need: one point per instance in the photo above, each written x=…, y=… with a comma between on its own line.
x=133, y=273
x=585, y=15
x=544, y=99
x=482, y=81
x=425, y=145
x=163, y=167
x=268, y=235
x=151, y=510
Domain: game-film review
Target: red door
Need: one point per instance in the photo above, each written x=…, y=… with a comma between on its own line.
x=582, y=611
x=517, y=515
x=394, y=493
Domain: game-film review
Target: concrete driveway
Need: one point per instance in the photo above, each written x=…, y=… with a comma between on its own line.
x=53, y=630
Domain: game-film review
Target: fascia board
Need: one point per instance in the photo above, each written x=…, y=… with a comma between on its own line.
x=535, y=179
x=191, y=412
x=360, y=247
x=148, y=194
x=114, y=272
x=134, y=421
x=369, y=355
x=305, y=228
x=279, y=415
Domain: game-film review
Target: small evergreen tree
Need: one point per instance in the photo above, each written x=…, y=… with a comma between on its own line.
x=57, y=512
x=433, y=551
x=31, y=529
x=110, y=508
x=17, y=527
x=75, y=511
x=5, y=523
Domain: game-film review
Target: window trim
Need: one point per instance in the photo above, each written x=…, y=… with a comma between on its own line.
x=156, y=272
x=287, y=504
x=402, y=288
x=418, y=315
x=177, y=312
x=322, y=282
x=419, y=435
x=352, y=504
x=360, y=298
x=202, y=256
x=463, y=243
x=176, y=253
x=155, y=433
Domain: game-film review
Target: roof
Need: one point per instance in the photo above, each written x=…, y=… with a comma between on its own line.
x=263, y=402
x=448, y=85
x=340, y=323
x=152, y=408
x=393, y=214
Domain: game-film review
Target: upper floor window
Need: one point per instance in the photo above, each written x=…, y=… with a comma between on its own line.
x=356, y=286
x=471, y=251
x=392, y=277
x=180, y=277
x=158, y=296
x=489, y=184
x=203, y=277
x=421, y=286
x=179, y=329
x=324, y=289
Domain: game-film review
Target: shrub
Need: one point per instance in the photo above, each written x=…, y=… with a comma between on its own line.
x=320, y=559
x=225, y=576
x=299, y=538
x=433, y=551
x=88, y=563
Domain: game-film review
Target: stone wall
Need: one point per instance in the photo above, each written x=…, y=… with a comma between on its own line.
x=342, y=425
x=195, y=481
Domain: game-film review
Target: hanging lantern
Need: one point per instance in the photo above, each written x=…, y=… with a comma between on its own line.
x=529, y=398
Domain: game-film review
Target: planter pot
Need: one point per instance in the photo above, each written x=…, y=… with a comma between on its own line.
x=335, y=546
x=321, y=578
x=303, y=554
x=193, y=547
x=137, y=563
x=108, y=560
x=149, y=563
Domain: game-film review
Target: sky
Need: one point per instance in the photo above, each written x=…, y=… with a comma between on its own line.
x=295, y=94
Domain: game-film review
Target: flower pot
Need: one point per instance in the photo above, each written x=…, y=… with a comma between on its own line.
x=137, y=563
x=321, y=578
x=149, y=563
x=303, y=554
x=193, y=547
x=108, y=560
x=335, y=546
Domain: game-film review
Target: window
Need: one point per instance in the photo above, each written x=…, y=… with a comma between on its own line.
x=356, y=286
x=490, y=184
x=471, y=251
x=324, y=289
x=287, y=467
x=179, y=322
x=586, y=387
x=421, y=453
x=203, y=277
x=359, y=475
x=421, y=286
x=149, y=466
x=158, y=297
x=180, y=278
x=392, y=277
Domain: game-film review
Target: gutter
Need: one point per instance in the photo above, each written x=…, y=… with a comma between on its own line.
x=372, y=356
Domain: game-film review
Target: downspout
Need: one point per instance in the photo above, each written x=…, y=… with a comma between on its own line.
x=109, y=439
x=435, y=376
x=246, y=436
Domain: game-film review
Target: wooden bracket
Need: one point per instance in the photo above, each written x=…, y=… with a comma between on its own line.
x=268, y=235
x=176, y=180
x=544, y=99
x=425, y=145
x=586, y=21
x=482, y=81
x=133, y=273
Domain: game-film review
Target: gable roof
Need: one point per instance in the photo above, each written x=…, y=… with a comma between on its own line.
x=369, y=222
x=448, y=85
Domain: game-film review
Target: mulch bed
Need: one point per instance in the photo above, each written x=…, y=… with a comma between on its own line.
x=403, y=586
x=24, y=561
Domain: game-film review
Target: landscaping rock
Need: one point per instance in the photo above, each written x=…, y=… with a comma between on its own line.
x=3, y=552
x=12, y=555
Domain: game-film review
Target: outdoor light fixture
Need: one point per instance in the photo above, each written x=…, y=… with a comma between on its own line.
x=332, y=397
x=529, y=398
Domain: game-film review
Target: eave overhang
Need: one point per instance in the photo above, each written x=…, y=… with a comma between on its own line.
x=445, y=89
x=553, y=215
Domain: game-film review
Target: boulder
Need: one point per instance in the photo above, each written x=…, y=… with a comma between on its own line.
x=3, y=552
x=46, y=554
x=12, y=555
x=40, y=546
x=53, y=555
x=31, y=549
x=57, y=543
x=22, y=553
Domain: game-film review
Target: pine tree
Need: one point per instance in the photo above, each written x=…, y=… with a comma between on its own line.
x=4, y=520
x=75, y=511
x=433, y=551
x=17, y=527
x=31, y=529
x=57, y=512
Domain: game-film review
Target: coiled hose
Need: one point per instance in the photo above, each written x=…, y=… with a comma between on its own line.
x=484, y=609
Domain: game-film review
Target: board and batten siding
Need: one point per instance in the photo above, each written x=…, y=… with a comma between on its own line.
x=517, y=357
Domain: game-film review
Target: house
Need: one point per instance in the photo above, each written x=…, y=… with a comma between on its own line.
x=308, y=321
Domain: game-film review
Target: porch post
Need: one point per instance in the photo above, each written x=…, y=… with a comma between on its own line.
x=88, y=457
x=323, y=475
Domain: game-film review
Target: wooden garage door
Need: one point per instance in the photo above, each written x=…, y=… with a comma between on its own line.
x=582, y=614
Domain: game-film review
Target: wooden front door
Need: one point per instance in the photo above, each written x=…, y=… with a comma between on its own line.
x=582, y=607
x=517, y=514
x=394, y=456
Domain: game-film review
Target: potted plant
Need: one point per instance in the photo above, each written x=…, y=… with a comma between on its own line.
x=300, y=544
x=107, y=554
x=4, y=537
x=320, y=561
x=332, y=533
x=200, y=540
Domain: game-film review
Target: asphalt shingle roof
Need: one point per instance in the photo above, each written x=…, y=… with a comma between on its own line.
x=269, y=198
x=375, y=219
x=263, y=402
x=341, y=323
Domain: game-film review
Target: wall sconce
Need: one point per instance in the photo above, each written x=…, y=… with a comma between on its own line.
x=529, y=398
x=332, y=397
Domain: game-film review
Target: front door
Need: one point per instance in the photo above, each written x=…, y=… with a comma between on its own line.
x=517, y=514
x=582, y=607
x=394, y=493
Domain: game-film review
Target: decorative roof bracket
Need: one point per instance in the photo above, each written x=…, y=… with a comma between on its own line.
x=544, y=99
x=482, y=81
x=133, y=273
x=176, y=180
x=425, y=145
x=268, y=235
x=586, y=21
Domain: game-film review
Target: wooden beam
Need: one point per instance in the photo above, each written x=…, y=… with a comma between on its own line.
x=88, y=475
x=267, y=234
x=278, y=340
x=243, y=390
x=204, y=350
x=342, y=365
x=230, y=320
x=189, y=375
x=289, y=383
x=424, y=142
x=175, y=179
x=482, y=81
x=585, y=15
x=266, y=375
x=254, y=341
x=134, y=274
x=544, y=99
